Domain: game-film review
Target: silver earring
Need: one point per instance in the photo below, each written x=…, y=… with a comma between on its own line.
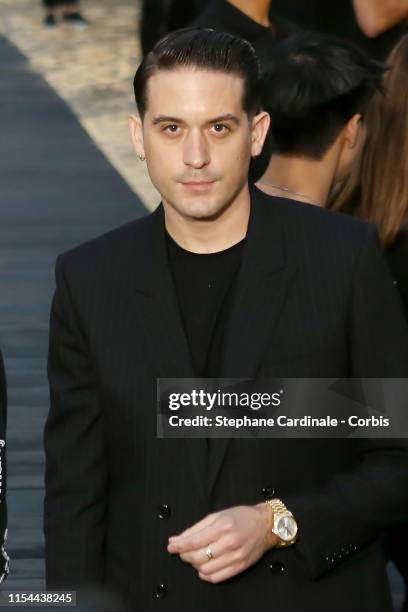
x=141, y=157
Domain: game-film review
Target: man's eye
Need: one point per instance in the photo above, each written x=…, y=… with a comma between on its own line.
x=220, y=128
x=171, y=128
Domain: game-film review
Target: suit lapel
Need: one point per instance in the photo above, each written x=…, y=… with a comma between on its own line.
x=166, y=344
x=262, y=285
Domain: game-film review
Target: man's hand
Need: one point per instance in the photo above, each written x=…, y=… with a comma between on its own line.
x=237, y=538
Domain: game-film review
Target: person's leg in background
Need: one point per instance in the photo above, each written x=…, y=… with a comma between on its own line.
x=50, y=19
x=70, y=13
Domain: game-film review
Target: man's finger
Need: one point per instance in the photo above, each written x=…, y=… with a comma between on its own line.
x=224, y=574
x=207, y=520
x=196, y=541
x=222, y=560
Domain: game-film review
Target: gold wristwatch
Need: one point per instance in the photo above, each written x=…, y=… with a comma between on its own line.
x=284, y=524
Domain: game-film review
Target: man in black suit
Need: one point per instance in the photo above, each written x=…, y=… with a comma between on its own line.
x=221, y=280
x=4, y=558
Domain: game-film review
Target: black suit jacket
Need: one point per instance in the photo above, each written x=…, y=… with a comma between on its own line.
x=4, y=559
x=313, y=299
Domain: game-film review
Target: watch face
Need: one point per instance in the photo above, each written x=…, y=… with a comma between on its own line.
x=286, y=528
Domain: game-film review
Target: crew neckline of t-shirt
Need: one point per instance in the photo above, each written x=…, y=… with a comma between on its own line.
x=179, y=250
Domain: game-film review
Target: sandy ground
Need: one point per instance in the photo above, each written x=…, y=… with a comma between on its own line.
x=92, y=70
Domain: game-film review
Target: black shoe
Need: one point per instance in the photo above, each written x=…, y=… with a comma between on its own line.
x=76, y=20
x=50, y=21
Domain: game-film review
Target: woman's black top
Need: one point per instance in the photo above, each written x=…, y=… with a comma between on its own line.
x=222, y=15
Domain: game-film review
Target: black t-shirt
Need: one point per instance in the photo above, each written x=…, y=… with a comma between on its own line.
x=202, y=282
x=221, y=15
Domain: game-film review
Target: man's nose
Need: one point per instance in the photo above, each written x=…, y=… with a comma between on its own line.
x=196, y=151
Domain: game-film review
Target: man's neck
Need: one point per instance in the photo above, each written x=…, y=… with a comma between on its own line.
x=299, y=178
x=212, y=235
x=258, y=10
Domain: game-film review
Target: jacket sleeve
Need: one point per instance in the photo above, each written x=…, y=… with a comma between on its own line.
x=76, y=477
x=338, y=519
x=4, y=558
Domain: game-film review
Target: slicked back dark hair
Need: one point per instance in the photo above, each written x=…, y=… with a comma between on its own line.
x=311, y=87
x=206, y=49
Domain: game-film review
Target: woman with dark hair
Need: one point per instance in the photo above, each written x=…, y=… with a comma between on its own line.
x=70, y=13
x=377, y=188
x=377, y=191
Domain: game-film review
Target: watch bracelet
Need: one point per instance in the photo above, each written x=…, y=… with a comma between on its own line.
x=278, y=507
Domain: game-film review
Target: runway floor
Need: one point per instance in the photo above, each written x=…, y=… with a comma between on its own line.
x=57, y=190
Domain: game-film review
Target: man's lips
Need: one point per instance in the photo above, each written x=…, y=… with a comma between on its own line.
x=197, y=185
x=197, y=182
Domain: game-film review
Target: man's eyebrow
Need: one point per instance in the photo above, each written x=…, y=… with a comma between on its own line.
x=226, y=117
x=168, y=119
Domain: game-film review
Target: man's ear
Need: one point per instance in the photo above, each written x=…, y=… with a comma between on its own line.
x=353, y=131
x=260, y=127
x=136, y=133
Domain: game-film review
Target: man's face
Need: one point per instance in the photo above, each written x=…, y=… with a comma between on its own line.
x=197, y=139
